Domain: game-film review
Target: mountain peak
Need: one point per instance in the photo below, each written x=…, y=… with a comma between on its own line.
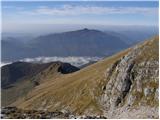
x=89, y=30
x=86, y=29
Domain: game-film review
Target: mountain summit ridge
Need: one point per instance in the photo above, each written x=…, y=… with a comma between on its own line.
x=83, y=42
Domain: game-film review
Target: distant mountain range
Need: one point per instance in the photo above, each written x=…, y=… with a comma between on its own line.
x=83, y=42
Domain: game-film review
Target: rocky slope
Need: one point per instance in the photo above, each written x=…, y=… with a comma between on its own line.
x=13, y=112
x=122, y=86
x=21, y=77
x=132, y=83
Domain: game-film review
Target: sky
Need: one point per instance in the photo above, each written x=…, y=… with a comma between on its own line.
x=29, y=16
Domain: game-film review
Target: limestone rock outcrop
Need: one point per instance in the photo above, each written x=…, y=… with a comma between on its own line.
x=132, y=81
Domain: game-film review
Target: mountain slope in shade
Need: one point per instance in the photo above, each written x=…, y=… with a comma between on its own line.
x=21, y=77
x=13, y=72
x=83, y=42
x=116, y=87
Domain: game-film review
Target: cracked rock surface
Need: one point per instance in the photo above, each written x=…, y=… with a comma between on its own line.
x=132, y=84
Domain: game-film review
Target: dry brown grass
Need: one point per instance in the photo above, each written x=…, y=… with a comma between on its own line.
x=77, y=91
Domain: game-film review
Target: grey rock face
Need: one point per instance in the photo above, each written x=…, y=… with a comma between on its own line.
x=130, y=82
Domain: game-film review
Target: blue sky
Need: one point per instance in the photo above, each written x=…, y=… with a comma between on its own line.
x=89, y=13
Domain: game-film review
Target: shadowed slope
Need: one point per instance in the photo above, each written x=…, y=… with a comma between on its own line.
x=21, y=77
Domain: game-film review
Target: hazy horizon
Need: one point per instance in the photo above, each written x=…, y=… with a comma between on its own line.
x=49, y=29
x=28, y=25
x=50, y=16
